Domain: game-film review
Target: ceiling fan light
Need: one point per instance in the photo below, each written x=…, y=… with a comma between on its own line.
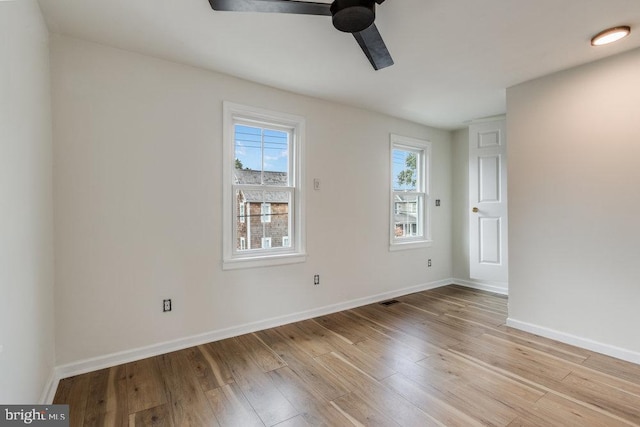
x=610, y=35
x=353, y=16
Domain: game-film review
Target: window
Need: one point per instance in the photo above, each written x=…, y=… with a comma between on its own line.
x=266, y=242
x=409, y=208
x=242, y=206
x=265, y=212
x=263, y=182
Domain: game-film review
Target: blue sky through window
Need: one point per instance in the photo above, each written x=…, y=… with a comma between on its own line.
x=262, y=149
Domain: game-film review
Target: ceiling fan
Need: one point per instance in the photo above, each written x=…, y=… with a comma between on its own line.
x=349, y=16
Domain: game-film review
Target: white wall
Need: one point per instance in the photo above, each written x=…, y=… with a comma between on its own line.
x=574, y=201
x=137, y=162
x=26, y=205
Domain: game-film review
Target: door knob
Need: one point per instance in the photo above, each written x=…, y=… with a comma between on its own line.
x=475, y=210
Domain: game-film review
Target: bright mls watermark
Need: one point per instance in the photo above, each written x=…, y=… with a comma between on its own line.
x=34, y=415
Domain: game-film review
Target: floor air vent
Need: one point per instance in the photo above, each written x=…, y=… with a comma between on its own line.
x=389, y=302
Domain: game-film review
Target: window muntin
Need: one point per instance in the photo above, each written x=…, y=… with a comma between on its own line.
x=263, y=187
x=409, y=192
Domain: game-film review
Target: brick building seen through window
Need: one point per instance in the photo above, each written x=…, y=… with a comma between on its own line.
x=263, y=215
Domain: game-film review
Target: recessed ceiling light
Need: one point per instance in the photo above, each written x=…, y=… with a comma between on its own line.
x=611, y=35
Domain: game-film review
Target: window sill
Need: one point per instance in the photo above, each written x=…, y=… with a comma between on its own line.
x=410, y=245
x=263, y=261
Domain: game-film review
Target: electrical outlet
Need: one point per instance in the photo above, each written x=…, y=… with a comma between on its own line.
x=316, y=279
x=437, y=202
x=429, y=262
x=166, y=305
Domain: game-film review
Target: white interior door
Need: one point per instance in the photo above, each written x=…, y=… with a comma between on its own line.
x=488, y=202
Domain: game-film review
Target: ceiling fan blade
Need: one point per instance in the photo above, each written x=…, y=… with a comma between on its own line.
x=373, y=46
x=272, y=6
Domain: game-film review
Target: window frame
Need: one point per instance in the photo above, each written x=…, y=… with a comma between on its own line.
x=423, y=148
x=241, y=114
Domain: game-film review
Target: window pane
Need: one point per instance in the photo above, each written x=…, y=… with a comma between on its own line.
x=248, y=148
x=407, y=215
x=405, y=176
x=261, y=156
x=266, y=217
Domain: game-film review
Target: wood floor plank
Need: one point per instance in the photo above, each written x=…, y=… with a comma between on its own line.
x=309, y=337
x=387, y=317
x=430, y=402
x=364, y=361
x=297, y=421
x=75, y=394
x=518, y=360
x=472, y=297
x=442, y=357
x=607, y=398
x=398, y=336
x=369, y=363
x=479, y=316
x=428, y=302
x=262, y=355
x=361, y=413
x=107, y=398
x=270, y=405
x=409, y=312
x=231, y=408
x=532, y=342
x=621, y=384
x=187, y=402
x=117, y=406
x=457, y=371
x=145, y=385
x=553, y=410
x=97, y=397
x=216, y=358
x=395, y=356
x=374, y=394
x=209, y=369
x=314, y=408
x=546, y=342
x=344, y=327
x=63, y=390
x=307, y=370
x=158, y=416
x=609, y=365
x=475, y=403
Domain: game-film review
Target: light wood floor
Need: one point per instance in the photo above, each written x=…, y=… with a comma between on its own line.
x=439, y=357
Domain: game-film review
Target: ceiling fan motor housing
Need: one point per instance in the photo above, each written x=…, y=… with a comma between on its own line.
x=353, y=16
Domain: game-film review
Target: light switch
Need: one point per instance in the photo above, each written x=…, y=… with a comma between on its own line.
x=316, y=184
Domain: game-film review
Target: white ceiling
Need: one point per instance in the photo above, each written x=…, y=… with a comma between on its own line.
x=453, y=58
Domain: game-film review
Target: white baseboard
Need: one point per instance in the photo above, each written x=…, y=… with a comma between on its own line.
x=495, y=287
x=49, y=391
x=586, y=343
x=109, y=360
